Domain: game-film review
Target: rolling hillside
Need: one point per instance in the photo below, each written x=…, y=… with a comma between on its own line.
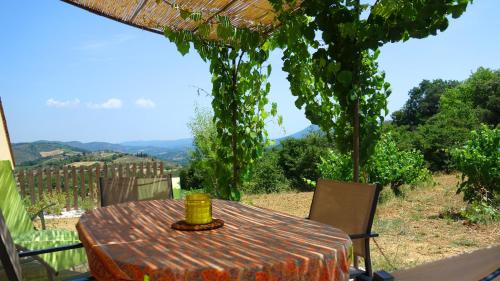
x=24, y=152
x=174, y=151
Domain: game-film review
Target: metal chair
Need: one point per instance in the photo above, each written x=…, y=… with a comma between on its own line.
x=11, y=257
x=350, y=207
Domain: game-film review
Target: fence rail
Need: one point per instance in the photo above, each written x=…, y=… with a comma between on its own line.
x=80, y=183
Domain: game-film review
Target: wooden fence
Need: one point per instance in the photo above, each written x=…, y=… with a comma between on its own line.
x=79, y=183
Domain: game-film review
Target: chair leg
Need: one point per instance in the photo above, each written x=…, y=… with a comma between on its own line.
x=368, y=259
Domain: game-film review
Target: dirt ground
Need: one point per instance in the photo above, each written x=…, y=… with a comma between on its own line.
x=415, y=229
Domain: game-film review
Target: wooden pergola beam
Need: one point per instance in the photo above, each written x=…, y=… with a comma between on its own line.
x=113, y=18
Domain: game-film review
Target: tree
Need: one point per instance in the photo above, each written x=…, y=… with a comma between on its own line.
x=446, y=130
x=423, y=102
x=330, y=51
x=206, y=170
x=239, y=91
x=299, y=158
x=479, y=162
x=482, y=89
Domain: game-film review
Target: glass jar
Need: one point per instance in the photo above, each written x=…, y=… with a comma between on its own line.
x=198, y=208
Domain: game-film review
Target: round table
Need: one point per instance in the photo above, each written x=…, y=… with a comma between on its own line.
x=129, y=241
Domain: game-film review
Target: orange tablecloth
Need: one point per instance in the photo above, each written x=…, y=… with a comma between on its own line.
x=129, y=241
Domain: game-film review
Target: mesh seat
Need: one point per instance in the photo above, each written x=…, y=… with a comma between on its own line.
x=118, y=190
x=350, y=207
x=12, y=265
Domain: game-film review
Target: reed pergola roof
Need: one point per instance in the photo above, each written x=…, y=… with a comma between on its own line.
x=154, y=16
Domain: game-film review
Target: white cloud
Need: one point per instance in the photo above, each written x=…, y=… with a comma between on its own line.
x=145, y=103
x=62, y=103
x=112, y=103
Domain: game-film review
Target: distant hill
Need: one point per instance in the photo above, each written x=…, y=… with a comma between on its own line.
x=180, y=143
x=24, y=152
x=175, y=151
x=302, y=133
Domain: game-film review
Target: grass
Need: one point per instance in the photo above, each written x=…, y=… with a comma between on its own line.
x=422, y=226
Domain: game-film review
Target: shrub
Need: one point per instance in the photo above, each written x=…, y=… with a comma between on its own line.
x=388, y=165
x=299, y=158
x=267, y=176
x=391, y=166
x=480, y=212
x=336, y=166
x=56, y=200
x=479, y=163
x=190, y=178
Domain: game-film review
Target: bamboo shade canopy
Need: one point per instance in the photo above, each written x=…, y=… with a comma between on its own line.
x=154, y=16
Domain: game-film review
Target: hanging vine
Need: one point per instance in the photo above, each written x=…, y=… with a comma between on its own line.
x=239, y=92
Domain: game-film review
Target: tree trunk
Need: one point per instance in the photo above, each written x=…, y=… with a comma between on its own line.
x=355, y=134
x=234, y=134
x=355, y=142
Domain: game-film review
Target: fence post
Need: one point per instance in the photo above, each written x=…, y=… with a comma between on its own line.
x=97, y=182
x=105, y=172
x=170, y=184
x=48, y=174
x=58, y=180
x=21, y=179
x=31, y=183
x=75, y=188
x=66, y=187
x=91, y=182
x=40, y=183
x=82, y=182
x=148, y=169
x=161, y=168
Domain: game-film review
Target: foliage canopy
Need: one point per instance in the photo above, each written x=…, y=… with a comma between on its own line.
x=330, y=51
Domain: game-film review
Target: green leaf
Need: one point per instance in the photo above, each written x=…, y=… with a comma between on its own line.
x=184, y=14
x=344, y=77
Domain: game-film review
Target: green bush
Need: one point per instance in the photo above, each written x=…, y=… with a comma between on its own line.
x=388, y=165
x=480, y=212
x=299, y=158
x=336, y=166
x=391, y=166
x=267, y=176
x=479, y=163
x=190, y=178
x=56, y=200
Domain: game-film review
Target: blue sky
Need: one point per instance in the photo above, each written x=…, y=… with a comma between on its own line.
x=66, y=74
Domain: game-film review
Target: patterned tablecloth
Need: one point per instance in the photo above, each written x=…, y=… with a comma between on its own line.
x=134, y=241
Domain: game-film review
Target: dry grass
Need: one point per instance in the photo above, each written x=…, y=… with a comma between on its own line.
x=417, y=228
x=414, y=229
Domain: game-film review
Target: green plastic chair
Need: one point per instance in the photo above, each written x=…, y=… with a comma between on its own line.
x=24, y=234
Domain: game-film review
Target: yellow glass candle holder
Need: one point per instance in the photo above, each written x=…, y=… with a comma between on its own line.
x=198, y=208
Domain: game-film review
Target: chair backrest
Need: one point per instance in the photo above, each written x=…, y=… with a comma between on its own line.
x=117, y=190
x=348, y=206
x=15, y=215
x=8, y=253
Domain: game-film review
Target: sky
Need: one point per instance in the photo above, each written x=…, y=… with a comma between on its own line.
x=67, y=74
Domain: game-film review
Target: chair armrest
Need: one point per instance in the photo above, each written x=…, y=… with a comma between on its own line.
x=363, y=235
x=49, y=250
x=39, y=213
